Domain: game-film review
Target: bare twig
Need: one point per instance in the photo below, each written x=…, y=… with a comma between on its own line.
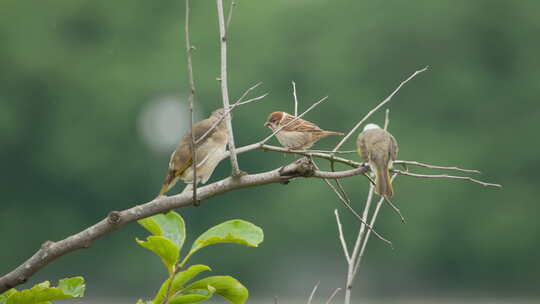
x=382, y=103
x=333, y=295
x=225, y=89
x=327, y=151
x=342, y=237
x=357, y=245
x=293, y=120
x=387, y=119
x=345, y=203
x=250, y=100
x=415, y=163
x=366, y=238
x=368, y=233
x=191, y=97
x=238, y=103
x=313, y=292
x=229, y=17
x=246, y=92
x=446, y=176
x=395, y=208
x=305, y=153
x=295, y=99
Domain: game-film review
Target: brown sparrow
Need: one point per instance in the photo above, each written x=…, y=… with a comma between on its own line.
x=379, y=148
x=208, y=152
x=299, y=135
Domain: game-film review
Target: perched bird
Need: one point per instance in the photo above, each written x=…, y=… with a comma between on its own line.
x=208, y=152
x=379, y=148
x=299, y=135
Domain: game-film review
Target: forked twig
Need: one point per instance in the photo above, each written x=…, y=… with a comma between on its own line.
x=351, y=209
x=342, y=237
x=238, y=103
x=365, y=239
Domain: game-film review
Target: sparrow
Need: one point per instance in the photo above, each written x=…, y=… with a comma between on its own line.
x=379, y=148
x=208, y=152
x=299, y=135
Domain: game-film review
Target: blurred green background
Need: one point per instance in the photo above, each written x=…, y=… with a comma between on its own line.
x=92, y=100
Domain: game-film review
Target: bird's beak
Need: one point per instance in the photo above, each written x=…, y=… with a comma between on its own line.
x=267, y=124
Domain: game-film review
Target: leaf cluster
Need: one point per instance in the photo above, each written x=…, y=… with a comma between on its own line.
x=43, y=293
x=168, y=234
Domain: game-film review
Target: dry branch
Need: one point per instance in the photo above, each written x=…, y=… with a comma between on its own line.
x=447, y=176
x=419, y=164
x=225, y=89
x=382, y=103
x=191, y=97
x=50, y=251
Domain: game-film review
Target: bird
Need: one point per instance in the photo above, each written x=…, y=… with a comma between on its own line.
x=379, y=148
x=299, y=135
x=208, y=152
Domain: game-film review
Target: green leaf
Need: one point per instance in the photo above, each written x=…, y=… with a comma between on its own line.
x=73, y=286
x=179, y=280
x=233, y=231
x=193, y=296
x=42, y=293
x=226, y=286
x=140, y=301
x=170, y=226
x=6, y=295
x=164, y=248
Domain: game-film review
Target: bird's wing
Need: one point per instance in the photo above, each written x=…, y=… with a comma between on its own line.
x=182, y=158
x=393, y=148
x=299, y=125
x=362, y=148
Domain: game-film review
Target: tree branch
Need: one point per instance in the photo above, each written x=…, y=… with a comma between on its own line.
x=382, y=103
x=225, y=89
x=50, y=251
x=446, y=176
x=415, y=163
x=191, y=97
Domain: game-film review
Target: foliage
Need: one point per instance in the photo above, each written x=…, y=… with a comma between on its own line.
x=168, y=236
x=43, y=293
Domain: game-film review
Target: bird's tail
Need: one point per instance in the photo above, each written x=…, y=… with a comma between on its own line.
x=332, y=133
x=383, y=185
x=169, y=182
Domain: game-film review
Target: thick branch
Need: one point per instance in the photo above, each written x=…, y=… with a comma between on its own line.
x=50, y=251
